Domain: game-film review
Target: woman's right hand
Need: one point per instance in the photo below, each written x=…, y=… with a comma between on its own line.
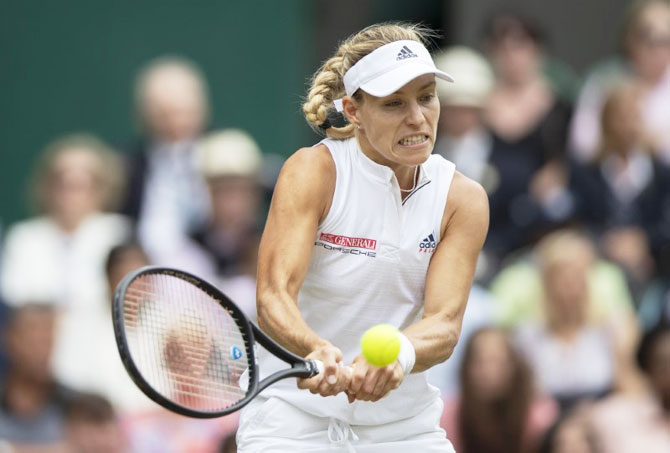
x=335, y=377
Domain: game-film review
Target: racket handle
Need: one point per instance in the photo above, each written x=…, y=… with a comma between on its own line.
x=318, y=367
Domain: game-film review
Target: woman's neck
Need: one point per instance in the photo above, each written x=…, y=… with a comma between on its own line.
x=567, y=325
x=406, y=175
x=70, y=222
x=567, y=330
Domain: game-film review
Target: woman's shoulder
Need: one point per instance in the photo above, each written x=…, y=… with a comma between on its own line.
x=466, y=209
x=467, y=194
x=308, y=175
x=36, y=226
x=309, y=160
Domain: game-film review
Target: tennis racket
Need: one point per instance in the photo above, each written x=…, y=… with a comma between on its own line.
x=189, y=348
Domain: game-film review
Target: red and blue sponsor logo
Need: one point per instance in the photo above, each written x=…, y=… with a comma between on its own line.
x=348, y=245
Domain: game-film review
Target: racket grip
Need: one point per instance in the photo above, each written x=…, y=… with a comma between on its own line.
x=318, y=367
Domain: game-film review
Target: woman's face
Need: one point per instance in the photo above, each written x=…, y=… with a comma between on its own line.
x=399, y=129
x=73, y=188
x=173, y=105
x=566, y=291
x=515, y=57
x=235, y=202
x=490, y=368
x=623, y=121
x=649, y=43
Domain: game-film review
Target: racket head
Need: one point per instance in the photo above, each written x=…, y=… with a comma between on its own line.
x=184, y=343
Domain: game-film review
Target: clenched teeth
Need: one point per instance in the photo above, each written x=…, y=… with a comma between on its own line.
x=413, y=140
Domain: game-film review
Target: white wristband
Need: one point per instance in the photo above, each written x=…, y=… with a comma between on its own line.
x=407, y=355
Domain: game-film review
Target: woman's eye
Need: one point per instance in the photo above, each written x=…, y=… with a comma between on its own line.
x=427, y=97
x=392, y=104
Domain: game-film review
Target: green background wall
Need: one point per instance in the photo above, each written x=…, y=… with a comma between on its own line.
x=68, y=66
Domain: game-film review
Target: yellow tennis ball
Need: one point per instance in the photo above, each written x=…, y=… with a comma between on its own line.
x=380, y=345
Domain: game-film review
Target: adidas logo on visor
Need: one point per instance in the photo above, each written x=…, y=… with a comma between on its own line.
x=405, y=53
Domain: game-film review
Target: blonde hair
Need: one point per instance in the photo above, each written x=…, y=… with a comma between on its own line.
x=327, y=83
x=565, y=246
x=109, y=174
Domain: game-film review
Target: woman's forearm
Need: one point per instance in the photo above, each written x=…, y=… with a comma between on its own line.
x=279, y=317
x=434, y=339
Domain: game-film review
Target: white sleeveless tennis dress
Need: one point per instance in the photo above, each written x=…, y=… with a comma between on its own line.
x=368, y=266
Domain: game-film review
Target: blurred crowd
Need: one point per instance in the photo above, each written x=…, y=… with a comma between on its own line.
x=565, y=345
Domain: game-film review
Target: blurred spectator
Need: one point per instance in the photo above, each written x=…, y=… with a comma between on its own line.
x=462, y=136
x=33, y=402
x=92, y=426
x=620, y=195
x=571, y=357
x=4, y=320
x=654, y=309
x=231, y=162
x=478, y=314
x=498, y=409
x=113, y=381
x=631, y=423
x=529, y=124
x=646, y=57
x=241, y=287
x=573, y=433
x=166, y=432
x=166, y=193
x=59, y=255
x=123, y=259
x=519, y=287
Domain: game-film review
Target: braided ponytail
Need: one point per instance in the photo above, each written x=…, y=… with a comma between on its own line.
x=327, y=84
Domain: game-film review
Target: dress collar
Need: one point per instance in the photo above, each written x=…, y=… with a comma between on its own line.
x=379, y=172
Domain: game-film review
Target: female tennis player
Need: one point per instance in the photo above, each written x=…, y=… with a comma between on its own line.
x=365, y=227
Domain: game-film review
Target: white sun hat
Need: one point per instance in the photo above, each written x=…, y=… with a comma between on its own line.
x=388, y=68
x=229, y=152
x=474, y=74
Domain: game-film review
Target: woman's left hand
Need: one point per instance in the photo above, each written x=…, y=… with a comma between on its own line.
x=371, y=383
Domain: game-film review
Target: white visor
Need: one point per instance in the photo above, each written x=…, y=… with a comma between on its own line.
x=388, y=68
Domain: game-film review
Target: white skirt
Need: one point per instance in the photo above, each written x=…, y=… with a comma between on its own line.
x=274, y=425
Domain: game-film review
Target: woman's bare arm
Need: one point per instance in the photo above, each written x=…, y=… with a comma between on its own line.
x=450, y=273
x=300, y=202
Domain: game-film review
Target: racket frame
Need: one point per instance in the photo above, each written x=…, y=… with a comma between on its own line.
x=300, y=367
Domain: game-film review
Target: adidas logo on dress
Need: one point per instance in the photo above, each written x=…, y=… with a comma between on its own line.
x=404, y=53
x=428, y=244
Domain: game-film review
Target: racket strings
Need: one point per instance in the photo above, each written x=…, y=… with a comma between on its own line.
x=185, y=344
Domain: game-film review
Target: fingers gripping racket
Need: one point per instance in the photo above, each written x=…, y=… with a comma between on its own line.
x=190, y=348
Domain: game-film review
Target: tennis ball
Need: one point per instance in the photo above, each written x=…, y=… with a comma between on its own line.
x=380, y=345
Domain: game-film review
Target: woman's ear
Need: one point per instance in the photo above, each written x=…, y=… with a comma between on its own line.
x=350, y=110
